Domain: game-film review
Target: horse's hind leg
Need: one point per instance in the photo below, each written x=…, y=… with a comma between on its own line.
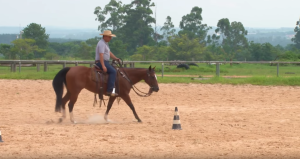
x=73, y=99
x=65, y=99
x=109, y=105
x=129, y=103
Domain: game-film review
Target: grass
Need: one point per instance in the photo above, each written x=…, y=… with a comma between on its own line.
x=266, y=81
x=33, y=76
x=227, y=70
x=259, y=74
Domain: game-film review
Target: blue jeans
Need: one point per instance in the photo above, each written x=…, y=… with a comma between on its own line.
x=112, y=74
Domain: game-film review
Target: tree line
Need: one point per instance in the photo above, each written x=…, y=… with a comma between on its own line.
x=138, y=39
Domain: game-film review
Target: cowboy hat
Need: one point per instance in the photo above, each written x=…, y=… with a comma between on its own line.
x=108, y=33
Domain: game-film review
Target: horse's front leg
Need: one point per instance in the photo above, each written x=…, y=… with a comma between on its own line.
x=109, y=105
x=129, y=103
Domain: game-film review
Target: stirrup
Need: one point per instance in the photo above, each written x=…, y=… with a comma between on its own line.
x=113, y=94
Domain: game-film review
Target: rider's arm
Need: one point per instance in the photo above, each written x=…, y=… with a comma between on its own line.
x=101, y=59
x=113, y=56
x=101, y=50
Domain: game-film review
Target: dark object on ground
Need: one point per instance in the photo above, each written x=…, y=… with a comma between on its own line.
x=193, y=64
x=183, y=66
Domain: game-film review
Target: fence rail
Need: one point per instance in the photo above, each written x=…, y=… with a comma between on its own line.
x=14, y=63
x=127, y=62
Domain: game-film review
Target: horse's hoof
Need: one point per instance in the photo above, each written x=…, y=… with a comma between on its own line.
x=140, y=121
x=74, y=122
x=60, y=120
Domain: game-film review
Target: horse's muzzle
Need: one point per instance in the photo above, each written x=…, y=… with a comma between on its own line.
x=155, y=89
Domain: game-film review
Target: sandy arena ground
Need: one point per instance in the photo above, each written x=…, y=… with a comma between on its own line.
x=218, y=121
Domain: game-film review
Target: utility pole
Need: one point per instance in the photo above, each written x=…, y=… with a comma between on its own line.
x=298, y=23
x=155, y=34
x=21, y=32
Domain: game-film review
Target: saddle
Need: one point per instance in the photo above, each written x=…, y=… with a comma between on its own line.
x=101, y=78
x=99, y=75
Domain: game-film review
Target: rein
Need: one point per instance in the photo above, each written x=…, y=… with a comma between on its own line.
x=136, y=90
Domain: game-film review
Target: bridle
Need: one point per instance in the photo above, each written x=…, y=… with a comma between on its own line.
x=135, y=89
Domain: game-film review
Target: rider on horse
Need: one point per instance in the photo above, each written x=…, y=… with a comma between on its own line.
x=102, y=57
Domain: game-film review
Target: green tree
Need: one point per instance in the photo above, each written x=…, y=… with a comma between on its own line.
x=296, y=39
x=65, y=49
x=57, y=47
x=213, y=40
x=51, y=56
x=70, y=48
x=233, y=37
x=5, y=50
x=214, y=53
x=24, y=48
x=38, y=33
x=290, y=55
x=168, y=28
x=161, y=53
x=85, y=51
x=191, y=25
x=147, y=52
x=93, y=41
x=118, y=48
x=137, y=30
x=136, y=57
x=116, y=16
x=263, y=52
x=131, y=22
x=184, y=48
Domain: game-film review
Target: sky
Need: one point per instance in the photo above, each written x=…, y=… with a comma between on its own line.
x=79, y=13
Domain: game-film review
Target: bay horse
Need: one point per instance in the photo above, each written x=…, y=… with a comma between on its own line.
x=79, y=77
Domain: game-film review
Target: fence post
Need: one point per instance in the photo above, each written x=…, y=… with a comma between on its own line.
x=91, y=64
x=45, y=67
x=19, y=66
x=125, y=65
x=12, y=67
x=162, y=70
x=64, y=64
x=38, y=67
x=217, y=69
x=277, y=69
x=76, y=63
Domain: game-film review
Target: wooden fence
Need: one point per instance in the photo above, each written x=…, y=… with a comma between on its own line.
x=19, y=63
x=14, y=63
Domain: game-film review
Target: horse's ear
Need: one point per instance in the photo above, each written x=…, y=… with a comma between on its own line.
x=150, y=68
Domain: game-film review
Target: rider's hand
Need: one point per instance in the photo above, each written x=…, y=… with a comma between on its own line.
x=104, y=68
x=117, y=59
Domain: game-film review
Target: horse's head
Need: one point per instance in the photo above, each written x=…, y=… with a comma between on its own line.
x=151, y=79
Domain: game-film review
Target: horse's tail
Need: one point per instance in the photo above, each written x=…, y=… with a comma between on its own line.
x=58, y=86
